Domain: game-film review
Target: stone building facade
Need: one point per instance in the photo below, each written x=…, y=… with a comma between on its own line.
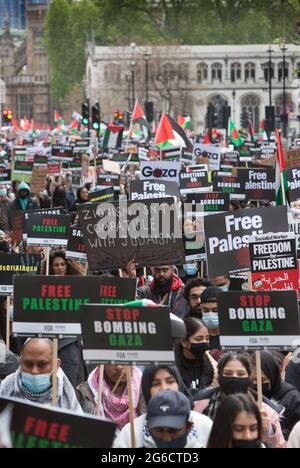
x=24, y=67
x=188, y=78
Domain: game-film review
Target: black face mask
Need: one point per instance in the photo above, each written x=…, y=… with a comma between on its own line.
x=265, y=389
x=4, y=247
x=234, y=385
x=199, y=349
x=246, y=444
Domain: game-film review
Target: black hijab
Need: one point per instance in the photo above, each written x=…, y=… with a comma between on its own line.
x=271, y=368
x=148, y=377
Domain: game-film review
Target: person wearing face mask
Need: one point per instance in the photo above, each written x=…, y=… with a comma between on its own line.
x=235, y=373
x=237, y=425
x=275, y=389
x=4, y=202
x=210, y=315
x=59, y=198
x=166, y=289
x=196, y=366
x=33, y=380
x=168, y=424
x=192, y=294
x=191, y=270
x=222, y=282
x=23, y=202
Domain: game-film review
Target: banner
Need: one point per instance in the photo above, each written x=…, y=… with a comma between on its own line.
x=193, y=182
x=48, y=230
x=260, y=184
x=62, y=153
x=23, y=167
x=147, y=231
x=273, y=261
x=210, y=152
x=46, y=211
x=293, y=180
x=108, y=180
x=162, y=170
x=106, y=194
x=150, y=189
x=259, y=320
x=17, y=264
x=127, y=335
x=227, y=236
x=35, y=426
x=48, y=306
x=76, y=249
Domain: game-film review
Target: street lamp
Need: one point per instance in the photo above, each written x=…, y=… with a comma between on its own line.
x=147, y=57
x=128, y=80
x=233, y=102
x=284, y=115
x=270, y=52
x=132, y=65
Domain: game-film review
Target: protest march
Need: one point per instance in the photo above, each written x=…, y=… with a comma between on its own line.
x=149, y=287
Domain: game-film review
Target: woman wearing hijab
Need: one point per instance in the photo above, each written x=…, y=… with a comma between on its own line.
x=59, y=199
x=282, y=393
x=82, y=197
x=156, y=380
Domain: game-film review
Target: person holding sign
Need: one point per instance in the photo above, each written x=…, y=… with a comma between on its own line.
x=235, y=373
x=23, y=202
x=237, y=425
x=169, y=423
x=274, y=389
x=196, y=366
x=210, y=315
x=115, y=398
x=82, y=197
x=33, y=380
x=166, y=289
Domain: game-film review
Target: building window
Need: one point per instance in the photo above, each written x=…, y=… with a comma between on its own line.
x=250, y=71
x=217, y=72
x=24, y=106
x=202, y=72
x=279, y=104
x=265, y=67
x=168, y=73
x=236, y=72
x=280, y=71
x=251, y=104
x=183, y=72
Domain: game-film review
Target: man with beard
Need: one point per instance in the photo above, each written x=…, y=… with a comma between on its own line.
x=192, y=294
x=166, y=289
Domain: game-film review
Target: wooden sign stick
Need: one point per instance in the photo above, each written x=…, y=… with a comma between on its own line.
x=100, y=390
x=131, y=408
x=7, y=322
x=54, y=373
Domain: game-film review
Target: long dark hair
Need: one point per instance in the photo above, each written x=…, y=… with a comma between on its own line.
x=58, y=254
x=221, y=435
x=244, y=359
x=193, y=325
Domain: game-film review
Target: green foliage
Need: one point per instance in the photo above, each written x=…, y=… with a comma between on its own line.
x=120, y=22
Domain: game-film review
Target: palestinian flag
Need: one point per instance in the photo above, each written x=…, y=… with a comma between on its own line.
x=281, y=180
x=171, y=135
x=263, y=136
x=58, y=118
x=113, y=136
x=184, y=121
x=139, y=130
x=206, y=140
x=234, y=135
x=251, y=133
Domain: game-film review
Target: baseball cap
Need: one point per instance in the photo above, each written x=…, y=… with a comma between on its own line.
x=210, y=294
x=168, y=409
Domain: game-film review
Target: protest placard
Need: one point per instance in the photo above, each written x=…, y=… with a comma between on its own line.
x=127, y=335
x=273, y=261
x=5, y=176
x=259, y=320
x=48, y=306
x=108, y=180
x=193, y=182
x=210, y=152
x=38, y=179
x=150, y=189
x=293, y=181
x=260, y=184
x=36, y=426
x=111, y=166
x=293, y=158
x=227, y=236
x=146, y=231
x=234, y=185
x=23, y=167
x=47, y=230
x=17, y=264
x=160, y=170
x=106, y=194
x=208, y=203
x=62, y=153
x=76, y=249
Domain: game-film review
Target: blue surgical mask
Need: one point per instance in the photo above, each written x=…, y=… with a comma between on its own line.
x=211, y=320
x=224, y=288
x=36, y=383
x=11, y=313
x=172, y=444
x=191, y=269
